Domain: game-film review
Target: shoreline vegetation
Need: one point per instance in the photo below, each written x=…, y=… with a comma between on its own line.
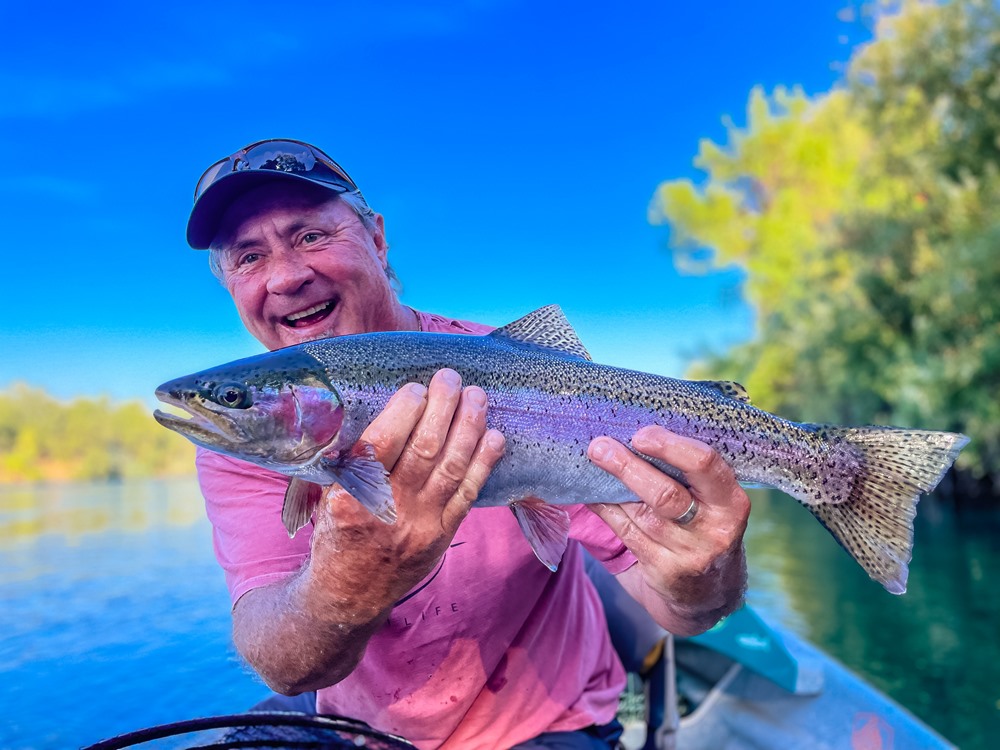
x=867, y=220
x=43, y=439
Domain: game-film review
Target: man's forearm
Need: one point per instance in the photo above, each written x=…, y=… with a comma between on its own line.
x=297, y=638
x=310, y=631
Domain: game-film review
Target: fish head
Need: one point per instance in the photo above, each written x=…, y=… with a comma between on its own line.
x=277, y=410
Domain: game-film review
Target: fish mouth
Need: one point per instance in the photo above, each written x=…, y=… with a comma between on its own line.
x=311, y=315
x=204, y=426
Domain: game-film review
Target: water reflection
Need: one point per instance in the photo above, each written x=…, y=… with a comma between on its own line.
x=71, y=511
x=934, y=649
x=115, y=616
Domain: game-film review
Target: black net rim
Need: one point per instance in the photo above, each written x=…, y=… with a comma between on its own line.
x=324, y=725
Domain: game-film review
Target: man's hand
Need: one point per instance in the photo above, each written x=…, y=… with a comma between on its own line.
x=688, y=576
x=435, y=445
x=310, y=631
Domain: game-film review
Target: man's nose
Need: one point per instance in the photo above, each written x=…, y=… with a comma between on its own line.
x=289, y=272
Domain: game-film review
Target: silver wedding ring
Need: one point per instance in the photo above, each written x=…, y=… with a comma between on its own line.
x=687, y=516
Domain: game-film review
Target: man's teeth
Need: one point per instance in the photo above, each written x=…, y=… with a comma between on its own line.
x=306, y=313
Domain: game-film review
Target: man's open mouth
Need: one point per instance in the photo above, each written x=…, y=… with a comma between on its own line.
x=310, y=315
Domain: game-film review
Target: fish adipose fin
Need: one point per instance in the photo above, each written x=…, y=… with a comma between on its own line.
x=728, y=388
x=545, y=328
x=546, y=528
x=875, y=521
x=365, y=478
x=301, y=499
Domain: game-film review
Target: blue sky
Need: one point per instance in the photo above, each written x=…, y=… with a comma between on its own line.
x=513, y=147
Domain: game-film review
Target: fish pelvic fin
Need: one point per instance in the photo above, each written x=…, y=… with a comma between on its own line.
x=301, y=499
x=875, y=521
x=546, y=527
x=366, y=480
x=545, y=328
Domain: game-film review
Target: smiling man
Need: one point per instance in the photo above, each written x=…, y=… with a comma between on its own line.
x=443, y=627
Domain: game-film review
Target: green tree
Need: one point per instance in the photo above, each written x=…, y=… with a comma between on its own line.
x=85, y=439
x=867, y=219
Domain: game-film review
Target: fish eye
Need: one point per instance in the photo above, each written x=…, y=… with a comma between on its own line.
x=233, y=395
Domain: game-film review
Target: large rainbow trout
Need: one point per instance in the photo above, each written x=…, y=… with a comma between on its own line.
x=301, y=411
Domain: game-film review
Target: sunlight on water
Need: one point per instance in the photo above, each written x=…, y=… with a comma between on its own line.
x=115, y=614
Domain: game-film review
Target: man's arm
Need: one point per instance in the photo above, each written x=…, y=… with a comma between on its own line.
x=311, y=631
x=690, y=576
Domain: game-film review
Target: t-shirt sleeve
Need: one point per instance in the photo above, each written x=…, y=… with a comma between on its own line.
x=243, y=503
x=599, y=540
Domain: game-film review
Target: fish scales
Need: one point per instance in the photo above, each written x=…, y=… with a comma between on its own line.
x=302, y=411
x=538, y=398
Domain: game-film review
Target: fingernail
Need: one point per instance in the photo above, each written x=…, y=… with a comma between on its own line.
x=494, y=440
x=651, y=436
x=451, y=377
x=477, y=397
x=600, y=449
x=417, y=389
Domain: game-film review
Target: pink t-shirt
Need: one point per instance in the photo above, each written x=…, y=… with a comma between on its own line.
x=489, y=650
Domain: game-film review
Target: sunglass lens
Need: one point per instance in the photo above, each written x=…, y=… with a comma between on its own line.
x=210, y=176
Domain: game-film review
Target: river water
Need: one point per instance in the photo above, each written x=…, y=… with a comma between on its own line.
x=114, y=615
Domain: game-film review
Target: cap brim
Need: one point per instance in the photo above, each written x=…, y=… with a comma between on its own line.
x=208, y=210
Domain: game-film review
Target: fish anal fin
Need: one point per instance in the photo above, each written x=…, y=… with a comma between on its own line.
x=301, y=499
x=546, y=527
x=729, y=389
x=359, y=472
x=545, y=328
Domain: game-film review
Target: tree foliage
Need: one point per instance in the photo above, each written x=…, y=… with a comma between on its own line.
x=868, y=220
x=85, y=439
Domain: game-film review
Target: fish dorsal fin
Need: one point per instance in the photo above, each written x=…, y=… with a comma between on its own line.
x=729, y=389
x=545, y=328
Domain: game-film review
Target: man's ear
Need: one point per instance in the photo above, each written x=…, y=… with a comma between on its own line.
x=378, y=235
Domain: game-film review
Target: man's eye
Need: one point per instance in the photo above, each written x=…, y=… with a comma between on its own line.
x=310, y=238
x=247, y=259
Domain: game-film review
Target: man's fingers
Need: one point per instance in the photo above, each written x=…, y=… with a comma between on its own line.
x=488, y=452
x=390, y=430
x=428, y=437
x=467, y=428
x=710, y=479
x=666, y=497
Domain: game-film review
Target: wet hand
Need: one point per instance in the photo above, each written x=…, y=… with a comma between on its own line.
x=439, y=453
x=691, y=571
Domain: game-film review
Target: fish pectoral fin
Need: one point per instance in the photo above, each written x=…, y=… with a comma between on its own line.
x=365, y=478
x=301, y=499
x=546, y=528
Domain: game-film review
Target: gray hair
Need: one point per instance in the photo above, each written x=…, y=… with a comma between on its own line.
x=358, y=204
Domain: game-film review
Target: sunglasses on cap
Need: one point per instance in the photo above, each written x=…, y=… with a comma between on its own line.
x=278, y=155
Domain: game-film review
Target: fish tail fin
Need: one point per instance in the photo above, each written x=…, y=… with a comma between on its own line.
x=873, y=518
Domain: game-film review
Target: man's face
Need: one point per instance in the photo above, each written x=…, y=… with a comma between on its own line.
x=301, y=266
